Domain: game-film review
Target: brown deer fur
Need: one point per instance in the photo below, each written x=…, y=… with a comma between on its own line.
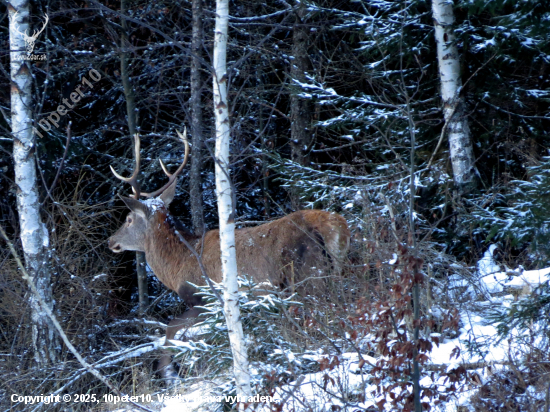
x=293, y=252
x=301, y=244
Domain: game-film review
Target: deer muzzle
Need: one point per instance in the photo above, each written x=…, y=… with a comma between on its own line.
x=114, y=245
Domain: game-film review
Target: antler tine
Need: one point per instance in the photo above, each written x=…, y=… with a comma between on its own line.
x=183, y=137
x=16, y=28
x=132, y=179
x=37, y=32
x=172, y=177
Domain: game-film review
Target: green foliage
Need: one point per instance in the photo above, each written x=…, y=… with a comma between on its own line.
x=523, y=218
x=532, y=312
x=272, y=358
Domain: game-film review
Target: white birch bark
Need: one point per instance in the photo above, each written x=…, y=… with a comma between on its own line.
x=224, y=194
x=460, y=143
x=33, y=232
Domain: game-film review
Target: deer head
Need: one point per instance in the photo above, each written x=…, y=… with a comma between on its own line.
x=131, y=235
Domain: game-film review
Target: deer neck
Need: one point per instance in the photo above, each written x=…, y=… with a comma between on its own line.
x=166, y=253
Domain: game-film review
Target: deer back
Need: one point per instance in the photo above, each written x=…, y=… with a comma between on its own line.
x=287, y=251
x=297, y=249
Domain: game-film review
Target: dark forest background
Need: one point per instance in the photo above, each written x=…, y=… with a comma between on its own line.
x=368, y=73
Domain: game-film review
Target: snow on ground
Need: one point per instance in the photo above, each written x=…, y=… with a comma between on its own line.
x=495, y=283
x=318, y=391
x=502, y=288
x=199, y=397
x=515, y=280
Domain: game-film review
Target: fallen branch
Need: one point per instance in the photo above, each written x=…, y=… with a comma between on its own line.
x=58, y=327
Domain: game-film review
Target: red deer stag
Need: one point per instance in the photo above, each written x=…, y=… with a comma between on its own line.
x=290, y=252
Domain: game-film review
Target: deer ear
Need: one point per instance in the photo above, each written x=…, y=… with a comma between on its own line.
x=168, y=195
x=135, y=206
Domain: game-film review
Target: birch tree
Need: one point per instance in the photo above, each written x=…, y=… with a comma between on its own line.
x=33, y=232
x=226, y=212
x=456, y=122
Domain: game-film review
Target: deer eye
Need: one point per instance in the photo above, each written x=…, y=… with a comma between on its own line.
x=129, y=220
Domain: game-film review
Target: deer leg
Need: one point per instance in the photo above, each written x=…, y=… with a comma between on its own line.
x=181, y=322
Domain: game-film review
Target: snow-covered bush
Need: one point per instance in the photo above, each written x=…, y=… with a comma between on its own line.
x=523, y=217
x=316, y=343
x=274, y=358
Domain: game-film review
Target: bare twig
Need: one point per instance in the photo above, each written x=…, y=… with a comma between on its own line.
x=302, y=332
x=392, y=217
x=294, y=388
x=67, y=142
x=57, y=326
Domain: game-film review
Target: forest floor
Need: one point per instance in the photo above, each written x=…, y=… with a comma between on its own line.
x=480, y=351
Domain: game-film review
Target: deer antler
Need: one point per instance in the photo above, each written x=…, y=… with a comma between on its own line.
x=16, y=28
x=37, y=33
x=132, y=179
x=171, y=177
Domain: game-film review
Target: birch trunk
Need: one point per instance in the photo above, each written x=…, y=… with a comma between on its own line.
x=143, y=287
x=195, y=186
x=460, y=143
x=224, y=193
x=34, y=234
